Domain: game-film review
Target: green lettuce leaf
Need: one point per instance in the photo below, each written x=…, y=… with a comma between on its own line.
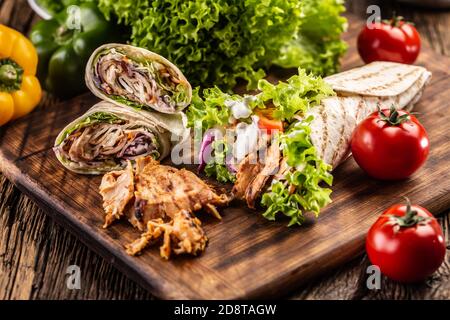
x=97, y=117
x=209, y=109
x=216, y=166
x=214, y=42
x=318, y=45
x=294, y=96
x=300, y=190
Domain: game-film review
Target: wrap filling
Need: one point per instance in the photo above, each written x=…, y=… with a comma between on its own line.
x=104, y=139
x=139, y=84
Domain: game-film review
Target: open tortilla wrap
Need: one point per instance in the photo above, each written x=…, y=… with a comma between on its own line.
x=321, y=138
x=107, y=136
x=138, y=78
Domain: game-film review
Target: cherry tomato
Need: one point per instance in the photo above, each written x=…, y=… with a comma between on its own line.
x=394, y=40
x=270, y=124
x=390, y=144
x=406, y=243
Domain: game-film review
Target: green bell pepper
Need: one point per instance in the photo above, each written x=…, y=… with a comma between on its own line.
x=64, y=45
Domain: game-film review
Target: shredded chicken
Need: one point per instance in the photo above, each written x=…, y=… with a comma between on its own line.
x=181, y=235
x=117, y=189
x=120, y=76
x=114, y=142
x=157, y=196
x=254, y=174
x=247, y=171
x=270, y=168
x=162, y=191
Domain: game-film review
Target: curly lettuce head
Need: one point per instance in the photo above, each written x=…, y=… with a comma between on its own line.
x=217, y=42
x=318, y=46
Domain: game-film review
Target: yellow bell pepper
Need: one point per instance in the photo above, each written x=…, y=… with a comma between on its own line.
x=20, y=91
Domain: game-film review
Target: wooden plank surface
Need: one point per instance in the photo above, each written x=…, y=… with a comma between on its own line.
x=24, y=271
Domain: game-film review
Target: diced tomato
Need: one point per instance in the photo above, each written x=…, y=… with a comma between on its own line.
x=270, y=124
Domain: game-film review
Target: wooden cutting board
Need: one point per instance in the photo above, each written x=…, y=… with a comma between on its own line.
x=247, y=256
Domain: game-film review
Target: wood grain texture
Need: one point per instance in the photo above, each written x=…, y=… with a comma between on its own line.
x=346, y=282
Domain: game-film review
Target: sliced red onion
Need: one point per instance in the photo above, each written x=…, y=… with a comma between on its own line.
x=208, y=139
x=230, y=165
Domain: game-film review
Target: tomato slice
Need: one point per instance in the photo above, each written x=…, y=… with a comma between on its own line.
x=270, y=124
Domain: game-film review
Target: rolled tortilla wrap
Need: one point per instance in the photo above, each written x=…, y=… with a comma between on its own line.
x=138, y=78
x=108, y=135
x=360, y=92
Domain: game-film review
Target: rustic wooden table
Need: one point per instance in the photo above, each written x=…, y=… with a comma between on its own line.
x=35, y=252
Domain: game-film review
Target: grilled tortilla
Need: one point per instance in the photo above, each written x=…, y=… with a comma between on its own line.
x=138, y=78
x=108, y=135
x=360, y=92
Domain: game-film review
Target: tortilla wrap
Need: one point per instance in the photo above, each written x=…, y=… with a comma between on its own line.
x=107, y=136
x=138, y=78
x=360, y=92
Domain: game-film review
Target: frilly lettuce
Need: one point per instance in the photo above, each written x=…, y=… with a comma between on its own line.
x=294, y=96
x=217, y=42
x=318, y=45
x=300, y=190
x=208, y=108
x=216, y=167
x=286, y=99
x=214, y=42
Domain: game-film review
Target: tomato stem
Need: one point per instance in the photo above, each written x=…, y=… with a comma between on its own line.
x=411, y=217
x=397, y=21
x=394, y=119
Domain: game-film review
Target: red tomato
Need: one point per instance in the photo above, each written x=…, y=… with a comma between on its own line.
x=270, y=124
x=390, y=144
x=395, y=40
x=406, y=243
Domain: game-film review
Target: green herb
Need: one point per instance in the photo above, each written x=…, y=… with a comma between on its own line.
x=301, y=189
x=130, y=103
x=216, y=167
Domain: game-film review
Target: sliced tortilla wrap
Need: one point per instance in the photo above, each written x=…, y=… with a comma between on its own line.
x=360, y=92
x=107, y=136
x=138, y=78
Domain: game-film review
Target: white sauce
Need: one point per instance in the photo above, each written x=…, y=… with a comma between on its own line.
x=240, y=108
x=246, y=139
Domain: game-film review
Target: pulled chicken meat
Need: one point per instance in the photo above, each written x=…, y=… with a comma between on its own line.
x=158, y=200
x=181, y=235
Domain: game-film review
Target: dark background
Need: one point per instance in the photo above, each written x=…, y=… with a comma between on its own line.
x=35, y=252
